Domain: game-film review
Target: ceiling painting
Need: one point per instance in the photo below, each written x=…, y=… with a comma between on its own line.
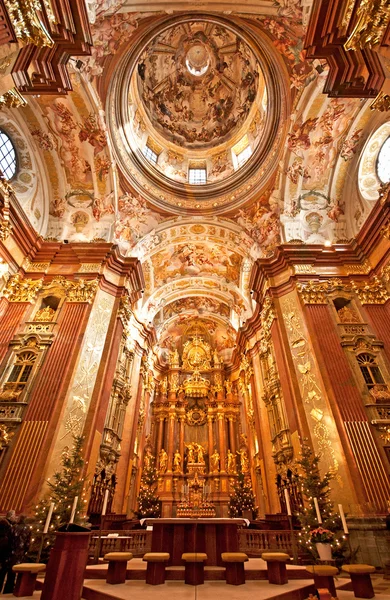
x=197, y=81
x=71, y=129
x=196, y=260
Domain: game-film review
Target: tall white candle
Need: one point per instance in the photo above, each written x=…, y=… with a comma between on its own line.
x=317, y=510
x=72, y=514
x=48, y=518
x=105, y=502
x=343, y=519
x=288, y=505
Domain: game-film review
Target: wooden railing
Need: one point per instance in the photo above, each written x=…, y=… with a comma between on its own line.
x=138, y=542
x=253, y=541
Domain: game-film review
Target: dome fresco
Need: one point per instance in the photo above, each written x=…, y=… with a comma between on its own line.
x=197, y=82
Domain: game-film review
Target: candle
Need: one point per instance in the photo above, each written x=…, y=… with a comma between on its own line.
x=72, y=514
x=317, y=510
x=105, y=502
x=288, y=505
x=48, y=518
x=343, y=520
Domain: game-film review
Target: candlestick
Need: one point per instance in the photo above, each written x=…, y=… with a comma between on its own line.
x=105, y=502
x=48, y=518
x=343, y=519
x=288, y=505
x=317, y=510
x=72, y=514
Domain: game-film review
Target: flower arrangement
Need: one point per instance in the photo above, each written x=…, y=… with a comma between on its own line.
x=321, y=536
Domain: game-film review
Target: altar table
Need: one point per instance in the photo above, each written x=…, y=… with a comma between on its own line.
x=212, y=536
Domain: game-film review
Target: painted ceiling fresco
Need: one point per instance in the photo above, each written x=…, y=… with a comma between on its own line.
x=198, y=82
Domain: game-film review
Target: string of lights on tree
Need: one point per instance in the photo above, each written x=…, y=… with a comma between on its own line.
x=148, y=501
x=316, y=494
x=242, y=498
x=66, y=500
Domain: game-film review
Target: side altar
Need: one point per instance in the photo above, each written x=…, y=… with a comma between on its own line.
x=196, y=438
x=212, y=536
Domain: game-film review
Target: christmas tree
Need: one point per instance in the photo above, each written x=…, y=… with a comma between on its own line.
x=148, y=502
x=66, y=485
x=316, y=485
x=242, y=498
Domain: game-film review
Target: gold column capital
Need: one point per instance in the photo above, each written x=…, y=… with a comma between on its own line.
x=22, y=290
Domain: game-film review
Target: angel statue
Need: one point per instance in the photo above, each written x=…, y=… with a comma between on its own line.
x=177, y=462
x=231, y=463
x=214, y=461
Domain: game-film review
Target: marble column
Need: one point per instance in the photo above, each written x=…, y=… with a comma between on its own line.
x=171, y=439
x=232, y=435
x=210, y=434
x=160, y=435
x=222, y=440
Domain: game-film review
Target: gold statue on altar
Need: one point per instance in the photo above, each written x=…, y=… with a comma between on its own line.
x=162, y=462
x=214, y=461
x=177, y=462
x=195, y=454
x=231, y=463
x=244, y=460
x=196, y=355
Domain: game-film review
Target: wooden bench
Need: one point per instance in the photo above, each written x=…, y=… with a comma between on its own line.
x=323, y=577
x=194, y=568
x=235, y=572
x=26, y=578
x=117, y=565
x=276, y=567
x=155, y=570
x=361, y=580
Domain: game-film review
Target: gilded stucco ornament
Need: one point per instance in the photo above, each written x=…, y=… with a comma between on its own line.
x=21, y=290
x=372, y=292
x=316, y=292
x=24, y=15
x=81, y=290
x=372, y=18
x=381, y=102
x=12, y=99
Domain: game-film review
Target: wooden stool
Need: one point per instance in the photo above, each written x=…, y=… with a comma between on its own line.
x=323, y=577
x=155, y=570
x=194, y=570
x=117, y=565
x=26, y=578
x=235, y=572
x=361, y=580
x=276, y=567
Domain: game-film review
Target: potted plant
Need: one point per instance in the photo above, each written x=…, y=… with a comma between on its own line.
x=322, y=538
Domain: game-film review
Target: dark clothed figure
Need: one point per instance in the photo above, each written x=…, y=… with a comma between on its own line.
x=20, y=543
x=6, y=537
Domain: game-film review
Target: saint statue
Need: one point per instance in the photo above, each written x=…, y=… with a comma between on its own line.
x=228, y=386
x=190, y=455
x=148, y=459
x=174, y=358
x=164, y=385
x=200, y=454
x=163, y=462
x=177, y=462
x=217, y=360
x=244, y=460
x=231, y=463
x=214, y=461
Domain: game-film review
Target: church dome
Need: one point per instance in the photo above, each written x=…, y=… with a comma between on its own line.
x=193, y=121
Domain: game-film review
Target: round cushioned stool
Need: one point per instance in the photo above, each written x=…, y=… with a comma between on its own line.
x=194, y=569
x=323, y=576
x=26, y=578
x=155, y=570
x=361, y=580
x=117, y=565
x=276, y=567
x=235, y=572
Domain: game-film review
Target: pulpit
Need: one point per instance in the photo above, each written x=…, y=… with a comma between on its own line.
x=211, y=536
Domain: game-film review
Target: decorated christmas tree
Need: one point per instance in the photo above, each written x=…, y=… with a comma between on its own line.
x=148, y=502
x=242, y=499
x=315, y=485
x=66, y=484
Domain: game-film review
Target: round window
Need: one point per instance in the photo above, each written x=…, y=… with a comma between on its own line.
x=383, y=163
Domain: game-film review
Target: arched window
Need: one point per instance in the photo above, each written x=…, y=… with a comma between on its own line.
x=7, y=156
x=383, y=162
x=370, y=370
